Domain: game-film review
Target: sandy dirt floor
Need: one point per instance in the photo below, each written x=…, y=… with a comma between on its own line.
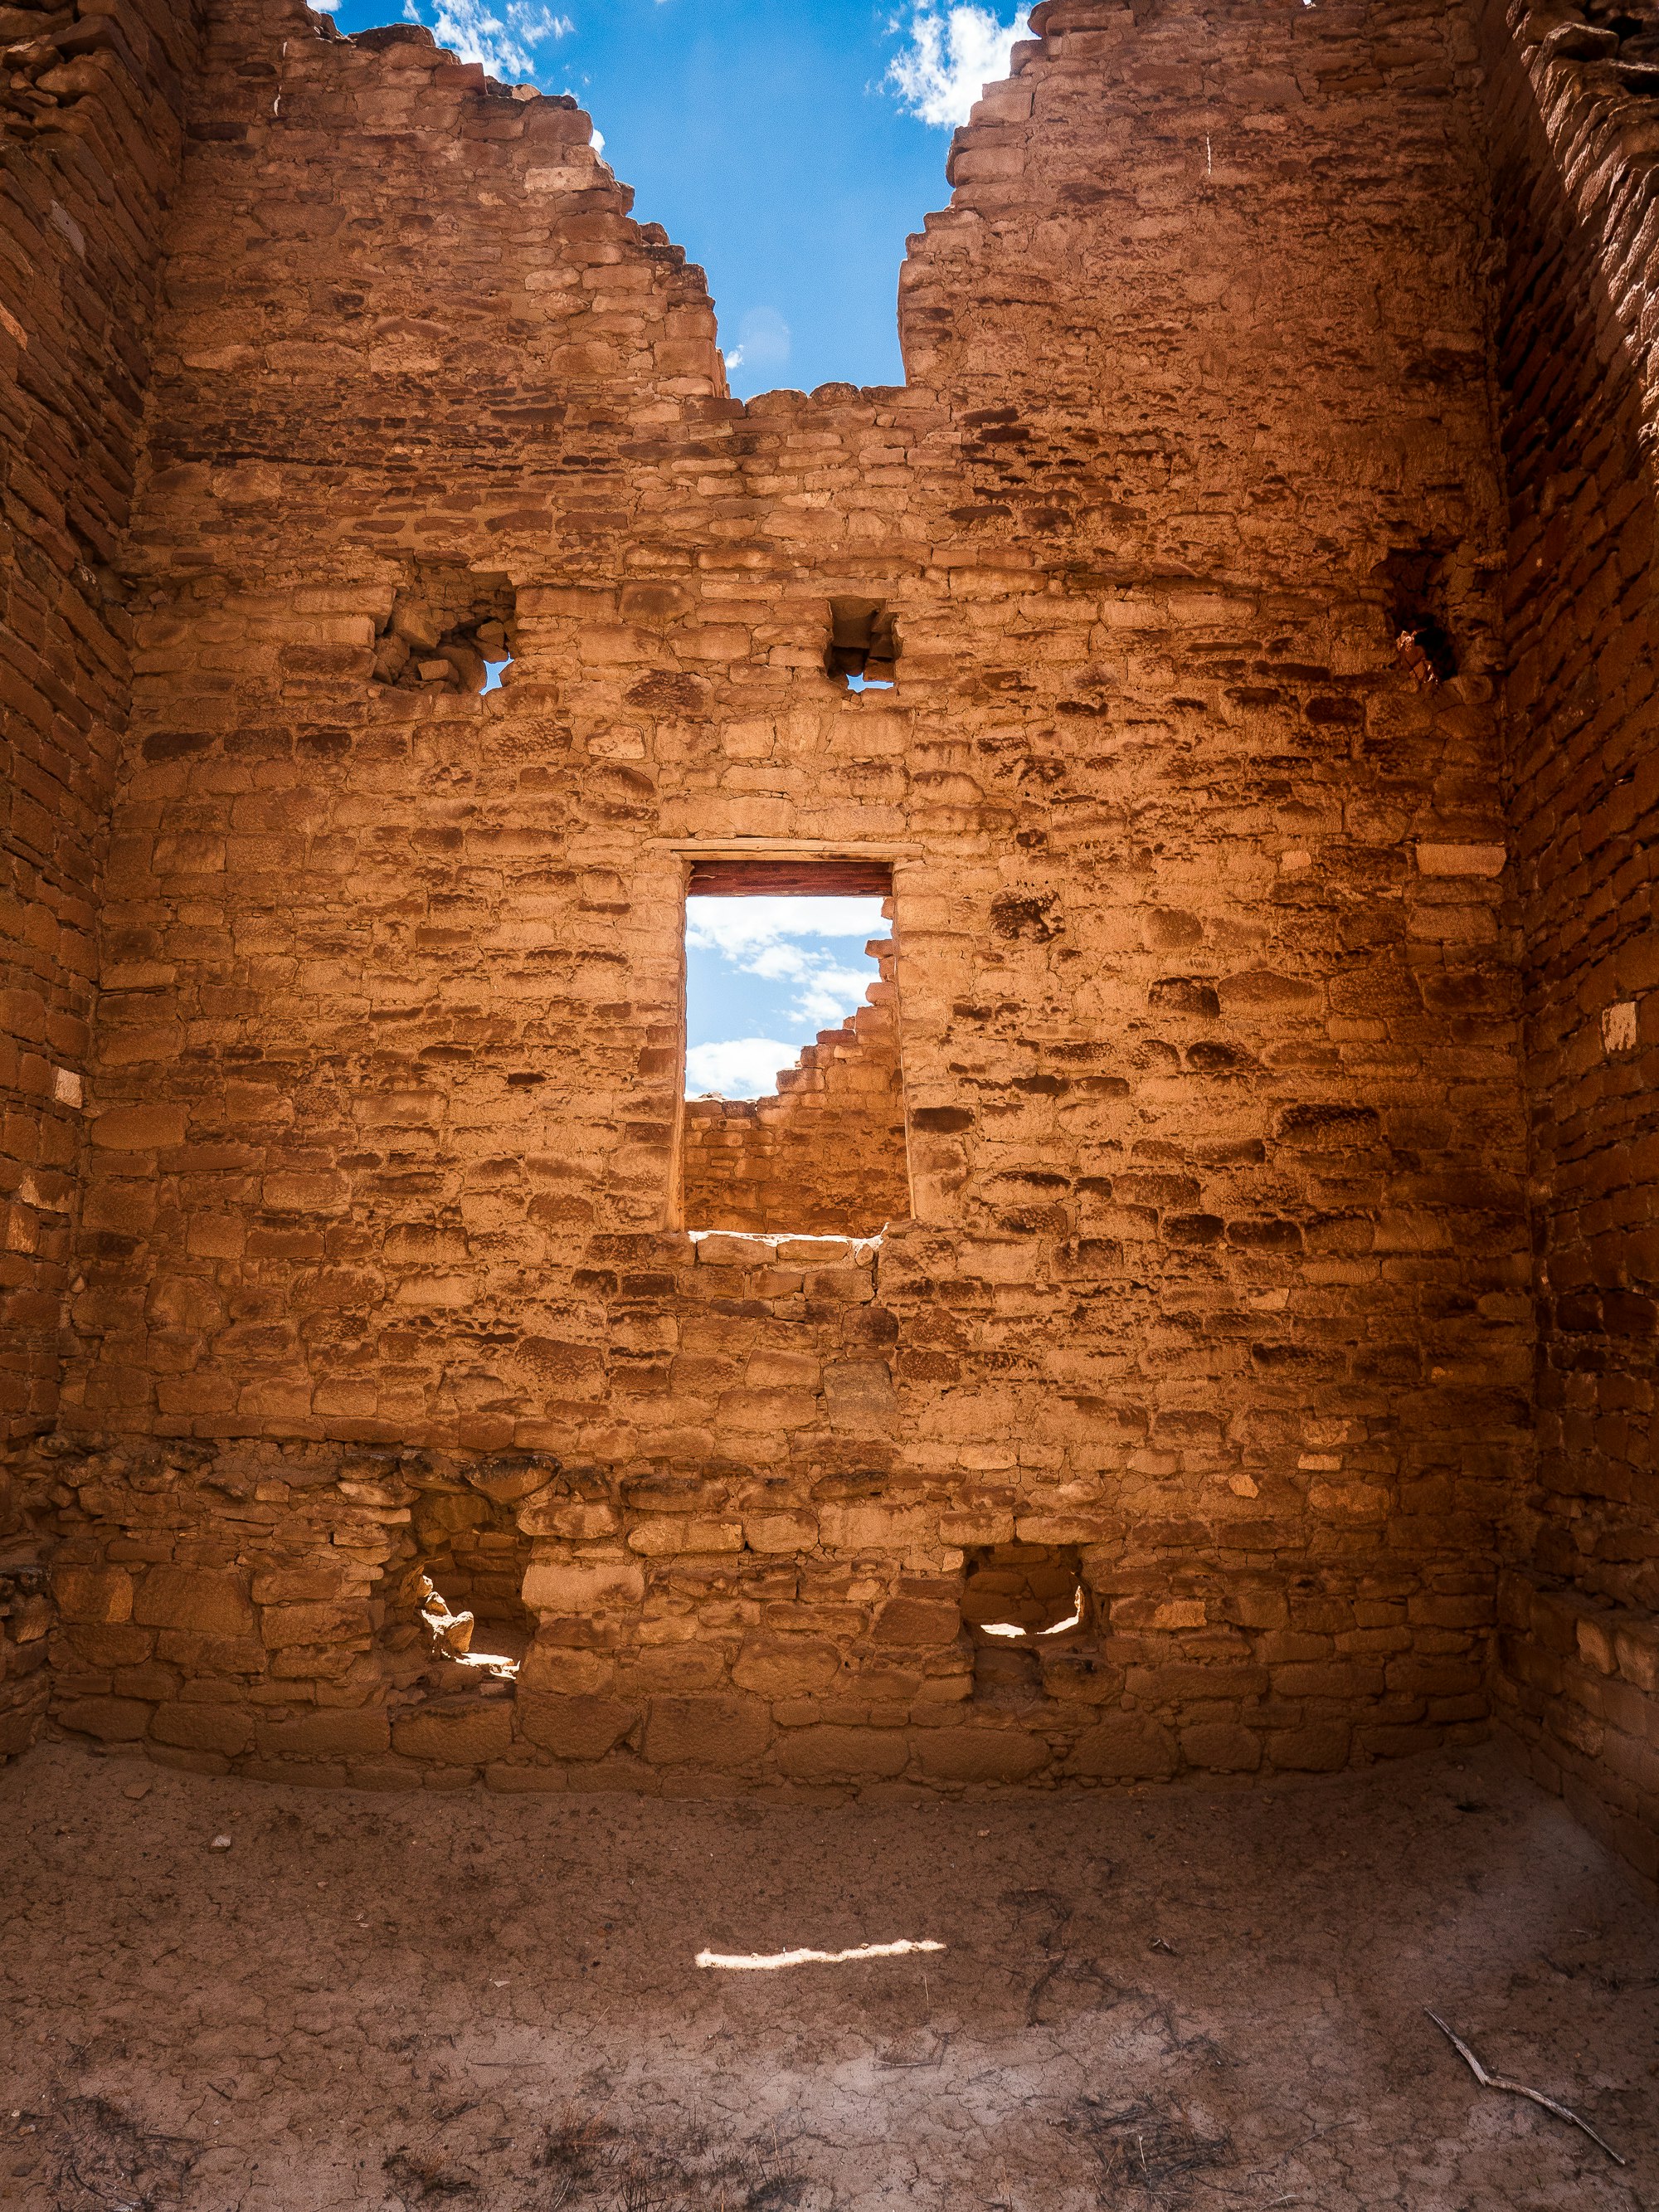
x=1180, y=1998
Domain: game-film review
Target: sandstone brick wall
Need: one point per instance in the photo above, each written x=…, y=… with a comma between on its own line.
x=1205, y=984
x=91, y=112
x=1574, y=120
x=825, y=1155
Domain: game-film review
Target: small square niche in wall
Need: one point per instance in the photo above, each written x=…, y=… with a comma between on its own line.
x=863, y=649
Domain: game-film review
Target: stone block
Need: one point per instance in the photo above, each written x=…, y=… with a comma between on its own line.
x=574, y=1728
x=978, y=1754
x=668, y=1535
x=786, y=1665
x=139, y=1128
x=211, y=1655
x=518, y=1778
x=96, y=1594
x=305, y=1584
x=112, y=1720
x=920, y=1624
x=1319, y=1748
x=1637, y=1648
x=202, y=1727
x=826, y=1753
x=339, y=1732
x=206, y=1600
x=1596, y=1642
x=555, y=1670
x=858, y=1395
x=282, y=1628
x=110, y=1647
x=513, y=1477
x=19, y=1727
x=1221, y=1747
x=1124, y=1747
x=584, y=1585
x=722, y=1732
x=780, y=1532
x=391, y=1776
x=465, y=1737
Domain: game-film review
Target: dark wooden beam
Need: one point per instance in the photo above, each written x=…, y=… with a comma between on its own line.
x=806, y=879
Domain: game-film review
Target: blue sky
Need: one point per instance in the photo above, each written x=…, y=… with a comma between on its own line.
x=789, y=145
x=763, y=977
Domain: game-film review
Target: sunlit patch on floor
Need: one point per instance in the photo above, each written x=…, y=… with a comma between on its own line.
x=767, y=1962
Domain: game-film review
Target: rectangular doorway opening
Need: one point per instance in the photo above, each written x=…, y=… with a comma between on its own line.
x=795, y=1113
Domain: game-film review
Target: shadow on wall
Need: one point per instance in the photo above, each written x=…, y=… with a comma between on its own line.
x=1579, y=1613
x=1583, y=636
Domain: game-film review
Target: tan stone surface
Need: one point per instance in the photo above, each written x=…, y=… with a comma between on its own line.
x=1250, y=1014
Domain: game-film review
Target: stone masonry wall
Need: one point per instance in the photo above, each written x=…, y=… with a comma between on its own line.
x=1577, y=126
x=91, y=118
x=1217, y=1274
x=823, y=1156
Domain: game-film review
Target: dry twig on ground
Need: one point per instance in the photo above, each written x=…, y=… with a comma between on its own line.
x=1519, y=2088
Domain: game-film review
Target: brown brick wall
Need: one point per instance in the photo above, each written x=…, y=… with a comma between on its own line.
x=91, y=110
x=1576, y=374
x=1208, y=948
x=825, y=1155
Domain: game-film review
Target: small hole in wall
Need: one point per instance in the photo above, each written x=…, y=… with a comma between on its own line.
x=1018, y=1601
x=1021, y=1592
x=451, y=629
x=460, y=1620
x=863, y=649
x=1415, y=581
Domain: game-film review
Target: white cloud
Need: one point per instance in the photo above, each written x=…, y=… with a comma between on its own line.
x=740, y=1068
x=761, y=936
x=504, y=38
x=737, y=925
x=951, y=56
x=764, y=340
x=828, y=996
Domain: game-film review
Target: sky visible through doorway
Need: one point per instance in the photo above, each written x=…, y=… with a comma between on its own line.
x=790, y=146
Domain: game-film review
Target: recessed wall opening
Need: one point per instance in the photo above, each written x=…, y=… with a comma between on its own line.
x=460, y=1614
x=1022, y=1591
x=862, y=654
x=1018, y=1600
x=794, y=1114
x=451, y=629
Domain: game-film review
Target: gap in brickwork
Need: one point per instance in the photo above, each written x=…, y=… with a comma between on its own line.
x=459, y=1618
x=1021, y=1602
x=864, y=647
x=450, y=628
x=1023, y=1590
x=786, y=1133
